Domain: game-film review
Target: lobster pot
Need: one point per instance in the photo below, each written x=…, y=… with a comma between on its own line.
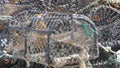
x=54, y=36
x=106, y=19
